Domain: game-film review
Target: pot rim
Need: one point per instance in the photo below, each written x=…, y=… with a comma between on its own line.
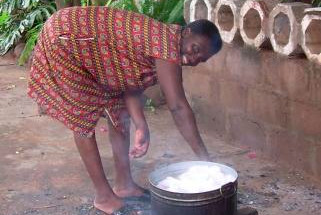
x=181, y=166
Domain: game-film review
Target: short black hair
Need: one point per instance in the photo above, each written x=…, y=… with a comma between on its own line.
x=208, y=29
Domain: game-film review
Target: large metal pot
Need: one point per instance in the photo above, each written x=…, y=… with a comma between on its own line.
x=222, y=201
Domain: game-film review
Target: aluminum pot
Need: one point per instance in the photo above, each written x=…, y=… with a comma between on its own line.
x=222, y=201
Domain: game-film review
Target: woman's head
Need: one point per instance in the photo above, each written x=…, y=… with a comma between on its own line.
x=200, y=40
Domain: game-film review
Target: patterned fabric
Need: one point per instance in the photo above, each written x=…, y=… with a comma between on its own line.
x=87, y=57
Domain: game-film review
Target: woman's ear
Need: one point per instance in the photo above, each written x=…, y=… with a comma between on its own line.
x=186, y=32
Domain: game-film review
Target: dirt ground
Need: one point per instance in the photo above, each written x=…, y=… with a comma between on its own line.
x=41, y=172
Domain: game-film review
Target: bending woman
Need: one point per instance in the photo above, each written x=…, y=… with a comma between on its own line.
x=93, y=62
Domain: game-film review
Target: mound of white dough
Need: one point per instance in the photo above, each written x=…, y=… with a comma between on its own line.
x=197, y=179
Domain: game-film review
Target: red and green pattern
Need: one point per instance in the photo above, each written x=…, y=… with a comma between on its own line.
x=87, y=57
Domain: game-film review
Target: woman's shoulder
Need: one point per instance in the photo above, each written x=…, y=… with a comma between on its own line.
x=165, y=42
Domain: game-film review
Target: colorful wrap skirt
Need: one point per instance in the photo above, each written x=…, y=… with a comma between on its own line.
x=86, y=58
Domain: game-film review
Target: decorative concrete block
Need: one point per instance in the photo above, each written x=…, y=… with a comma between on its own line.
x=311, y=34
x=226, y=15
x=285, y=27
x=187, y=15
x=254, y=16
x=313, y=11
x=202, y=9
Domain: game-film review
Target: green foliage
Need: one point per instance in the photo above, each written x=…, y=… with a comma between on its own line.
x=32, y=36
x=18, y=17
x=12, y=6
x=167, y=11
x=316, y=3
x=149, y=105
x=177, y=16
x=123, y=4
x=85, y=2
x=4, y=18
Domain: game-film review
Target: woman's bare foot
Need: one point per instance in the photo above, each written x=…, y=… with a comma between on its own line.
x=108, y=204
x=132, y=190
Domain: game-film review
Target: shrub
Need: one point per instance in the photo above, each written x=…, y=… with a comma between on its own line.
x=22, y=20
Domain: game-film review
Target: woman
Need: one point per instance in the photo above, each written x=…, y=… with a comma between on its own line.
x=91, y=62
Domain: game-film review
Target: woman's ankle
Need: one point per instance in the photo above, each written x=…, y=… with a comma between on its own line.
x=128, y=191
x=104, y=194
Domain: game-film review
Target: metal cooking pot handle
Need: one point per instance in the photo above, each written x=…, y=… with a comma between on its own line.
x=225, y=190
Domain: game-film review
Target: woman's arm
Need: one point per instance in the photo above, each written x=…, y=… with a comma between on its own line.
x=170, y=80
x=135, y=108
x=136, y=111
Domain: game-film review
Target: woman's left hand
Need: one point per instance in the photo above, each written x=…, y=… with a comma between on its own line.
x=141, y=143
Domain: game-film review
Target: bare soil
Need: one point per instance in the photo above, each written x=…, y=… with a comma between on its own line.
x=41, y=172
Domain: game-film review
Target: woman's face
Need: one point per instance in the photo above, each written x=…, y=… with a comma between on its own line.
x=194, y=48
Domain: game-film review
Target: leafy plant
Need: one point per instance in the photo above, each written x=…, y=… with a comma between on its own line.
x=18, y=17
x=316, y=3
x=123, y=4
x=167, y=11
x=85, y=2
x=149, y=105
x=4, y=18
x=32, y=36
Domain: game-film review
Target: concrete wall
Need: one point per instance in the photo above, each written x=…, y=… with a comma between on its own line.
x=262, y=100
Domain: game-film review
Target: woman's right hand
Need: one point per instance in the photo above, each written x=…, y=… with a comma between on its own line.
x=141, y=143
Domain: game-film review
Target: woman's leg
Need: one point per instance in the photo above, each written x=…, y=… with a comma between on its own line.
x=105, y=199
x=124, y=183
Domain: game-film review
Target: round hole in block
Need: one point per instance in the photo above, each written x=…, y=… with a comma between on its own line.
x=200, y=10
x=225, y=18
x=281, y=29
x=252, y=23
x=313, y=36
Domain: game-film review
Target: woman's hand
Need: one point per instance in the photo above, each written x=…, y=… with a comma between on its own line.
x=141, y=143
x=135, y=109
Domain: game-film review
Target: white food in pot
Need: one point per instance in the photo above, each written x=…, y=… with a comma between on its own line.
x=197, y=179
